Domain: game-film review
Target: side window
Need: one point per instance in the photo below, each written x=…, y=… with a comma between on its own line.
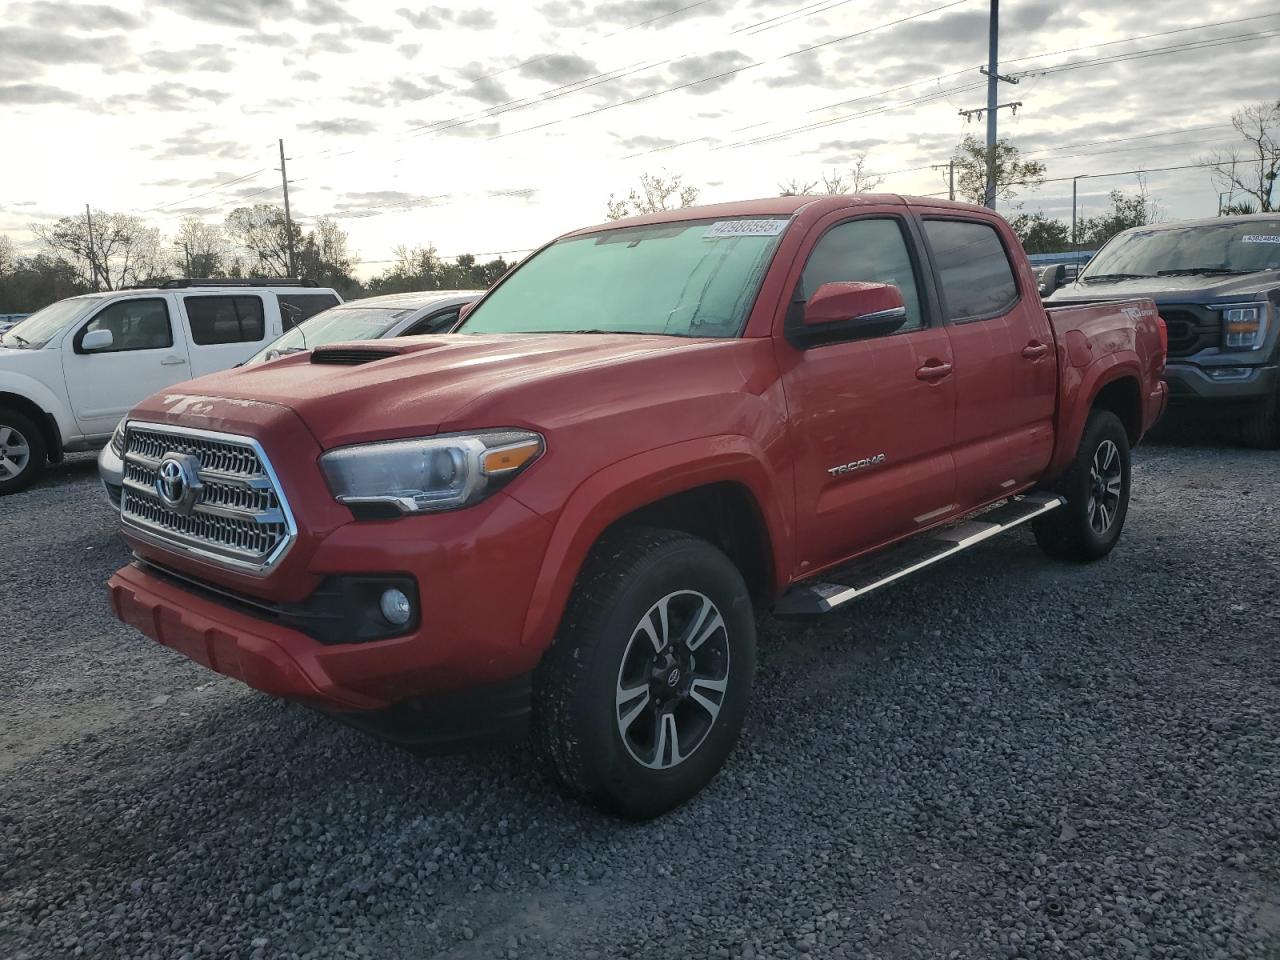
x=434, y=323
x=973, y=268
x=870, y=250
x=134, y=325
x=217, y=320
x=296, y=307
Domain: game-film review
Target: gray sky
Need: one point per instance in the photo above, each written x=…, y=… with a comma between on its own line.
x=493, y=127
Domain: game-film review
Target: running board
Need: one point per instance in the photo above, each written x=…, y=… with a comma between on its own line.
x=837, y=587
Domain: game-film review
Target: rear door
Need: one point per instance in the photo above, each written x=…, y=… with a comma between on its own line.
x=147, y=353
x=1005, y=364
x=225, y=329
x=872, y=419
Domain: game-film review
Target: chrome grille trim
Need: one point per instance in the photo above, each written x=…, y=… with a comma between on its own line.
x=242, y=519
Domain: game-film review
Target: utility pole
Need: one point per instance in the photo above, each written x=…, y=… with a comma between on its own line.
x=288, y=220
x=1075, y=248
x=950, y=167
x=93, y=261
x=993, y=107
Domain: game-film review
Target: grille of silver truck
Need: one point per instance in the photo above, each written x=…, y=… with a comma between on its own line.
x=219, y=498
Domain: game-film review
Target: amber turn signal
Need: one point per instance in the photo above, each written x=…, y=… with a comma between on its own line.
x=502, y=460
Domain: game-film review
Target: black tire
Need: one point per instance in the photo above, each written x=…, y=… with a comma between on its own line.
x=577, y=719
x=1072, y=531
x=1262, y=430
x=19, y=433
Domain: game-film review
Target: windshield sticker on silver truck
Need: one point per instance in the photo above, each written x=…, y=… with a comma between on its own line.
x=744, y=228
x=1261, y=238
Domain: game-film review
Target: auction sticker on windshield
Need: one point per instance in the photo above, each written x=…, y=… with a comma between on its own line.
x=744, y=228
x=1261, y=238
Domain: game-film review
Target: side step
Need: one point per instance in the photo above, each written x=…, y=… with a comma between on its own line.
x=837, y=587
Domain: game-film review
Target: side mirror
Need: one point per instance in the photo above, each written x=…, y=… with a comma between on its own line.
x=850, y=311
x=465, y=311
x=1052, y=277
x=96, y=340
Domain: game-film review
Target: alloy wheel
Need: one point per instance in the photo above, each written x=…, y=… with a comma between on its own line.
x=1106, y=480
x=673, y=678
x=15, y=452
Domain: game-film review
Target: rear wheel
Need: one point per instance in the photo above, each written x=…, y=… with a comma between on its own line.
x=1096, y=487
x=1262, y=429
x=22, y=451
x=642, y=696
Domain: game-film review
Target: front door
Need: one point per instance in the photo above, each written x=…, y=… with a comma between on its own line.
x=144, y=356
x=873, y=419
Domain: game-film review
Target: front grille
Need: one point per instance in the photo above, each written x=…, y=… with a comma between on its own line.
x=240, y=517
x=1191, y=329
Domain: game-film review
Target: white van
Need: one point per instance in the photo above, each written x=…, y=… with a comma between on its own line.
x=70, y=372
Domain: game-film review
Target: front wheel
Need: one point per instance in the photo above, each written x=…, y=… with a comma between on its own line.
x=22, y=451
x=1096, y=487
x=642, y=696
x=1261, y=430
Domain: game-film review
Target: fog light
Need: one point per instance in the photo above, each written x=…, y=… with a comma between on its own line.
x=395, y=607
x=1229, y=373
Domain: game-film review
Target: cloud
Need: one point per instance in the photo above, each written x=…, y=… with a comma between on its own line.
x=399, y=90
x=806, y=70
x=861, y=145
x=36, y=94
x=353, y=126
x=710, y=66
x=204, y=58
x=409, y=50
x=307, y=76
x=270, y=39
x=559, y=68
x=646, y=142
x=485, y=89
x=323, y=13
x=191, y=143
x=81, y=16
x=327, y=43
x=373, y=34
x=168, y=96
x=576, y=13
x=437, y=18
x=37, y=47
x=360, y=199
x=247, y=14
x=472, y=131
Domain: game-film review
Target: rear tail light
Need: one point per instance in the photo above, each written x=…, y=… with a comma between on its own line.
x=1164, y=340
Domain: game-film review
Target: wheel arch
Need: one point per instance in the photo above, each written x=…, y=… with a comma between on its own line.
x=717, y=488
x=44, y=421
x=1112, y=383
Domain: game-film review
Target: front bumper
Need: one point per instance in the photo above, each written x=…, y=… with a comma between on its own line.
x=1191, y=385
x=111, y=473
x=474, y=570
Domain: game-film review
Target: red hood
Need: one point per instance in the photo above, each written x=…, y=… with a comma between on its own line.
x=428, y=386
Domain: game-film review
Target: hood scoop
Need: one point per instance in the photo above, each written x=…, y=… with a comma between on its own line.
x=354, y=354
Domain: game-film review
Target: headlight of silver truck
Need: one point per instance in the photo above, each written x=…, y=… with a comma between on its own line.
x=429, y=474
x=1244, y=325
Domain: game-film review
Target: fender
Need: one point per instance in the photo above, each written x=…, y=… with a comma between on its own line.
x=53, y=406
x=1080, y=387
x=625, y=486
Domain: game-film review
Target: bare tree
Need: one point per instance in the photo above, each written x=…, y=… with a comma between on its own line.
x=262, y=231
x=656, y=193
x=201, y=249
x=8, y=256
x=1251, y=169
x=120, y=251
x=856, y=179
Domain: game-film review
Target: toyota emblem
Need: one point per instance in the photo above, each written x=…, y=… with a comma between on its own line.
x=178, y=482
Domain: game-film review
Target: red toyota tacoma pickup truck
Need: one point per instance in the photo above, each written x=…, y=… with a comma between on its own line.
x=567, y=514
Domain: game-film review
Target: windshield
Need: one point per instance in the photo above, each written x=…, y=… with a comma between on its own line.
x=42, y=326
x=695, y=278
x=1231, y=247
x=337, y=325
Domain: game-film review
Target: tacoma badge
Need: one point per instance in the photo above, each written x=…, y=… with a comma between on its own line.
x=856, y=465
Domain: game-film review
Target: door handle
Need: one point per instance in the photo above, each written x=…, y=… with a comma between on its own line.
x=1035, y=350
x=934, y=370
x=172, y=362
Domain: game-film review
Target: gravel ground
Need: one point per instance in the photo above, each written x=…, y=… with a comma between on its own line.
x=1006, y=758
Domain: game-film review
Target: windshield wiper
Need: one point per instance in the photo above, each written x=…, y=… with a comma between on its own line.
x=1188, y=271
x=22, y=340
x=1115, y=276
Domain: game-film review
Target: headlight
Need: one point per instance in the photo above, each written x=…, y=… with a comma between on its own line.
x=1244, y=326
x=432, y=473
x=117, y=440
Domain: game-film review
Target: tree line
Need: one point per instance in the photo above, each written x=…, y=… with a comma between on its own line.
x=100, y=250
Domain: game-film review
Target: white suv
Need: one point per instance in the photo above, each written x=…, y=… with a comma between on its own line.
x=70, y=372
